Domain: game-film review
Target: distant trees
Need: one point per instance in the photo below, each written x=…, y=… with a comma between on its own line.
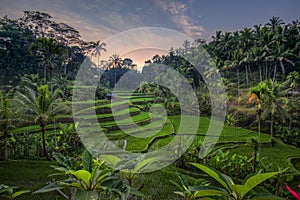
x=269, y=45
x=51, y=43
x=49, y=51
x=8, y=118
x=15, y=58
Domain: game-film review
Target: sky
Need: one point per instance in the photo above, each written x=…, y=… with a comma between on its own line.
x=102, y=19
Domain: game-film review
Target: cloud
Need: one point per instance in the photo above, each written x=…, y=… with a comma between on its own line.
x=189, y=28
x=179, y=15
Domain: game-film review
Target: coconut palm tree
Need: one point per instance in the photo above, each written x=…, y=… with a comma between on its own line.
x=39, y=107
x=274, y=23
x=257, y=55
x=238, y=58
x=115, y=62
x=274, y=102
x=256, y=94
x=280, y=54
x=98, y=50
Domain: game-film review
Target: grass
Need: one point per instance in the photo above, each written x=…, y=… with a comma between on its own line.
x=136, y=144
x=33, y=175
x=27, y=175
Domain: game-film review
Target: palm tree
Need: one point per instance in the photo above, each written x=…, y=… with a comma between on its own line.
x=49, y=50
x=238, y=59
x=246, y=38
x=97, y=51
x=256, y=94
x=279, y=54
x=7, y=116
x=257, y=54
x=39, y=107
x=274, y=101
x=274, y=23
x=115, y=62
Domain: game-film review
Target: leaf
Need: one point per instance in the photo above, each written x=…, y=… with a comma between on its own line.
x=16, y=194
x=49, y=188
x=5, y=188
x=180, y=193
x=221, y=178
x=83, y=175
x=87, y=160
x=265, y=197
x=252, y=182
x=142, y=165
x=209, y=191
x=184, y=182
x=110, y=159
x=136, y=192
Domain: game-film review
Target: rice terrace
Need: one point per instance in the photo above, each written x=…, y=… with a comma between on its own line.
x=172, y=109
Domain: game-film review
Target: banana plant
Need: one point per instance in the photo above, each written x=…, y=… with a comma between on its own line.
x=233, y=191
x=8, y=192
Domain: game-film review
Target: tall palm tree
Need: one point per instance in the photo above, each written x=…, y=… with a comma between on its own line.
x=280, y=54
x=238, y=58
x=274, y=102
x=39, y=107
x=256, y=94
x=98, y=50
x=274, y=23
x=49, y=51
x=257, y=55
x=115, y=62
x=246, y=38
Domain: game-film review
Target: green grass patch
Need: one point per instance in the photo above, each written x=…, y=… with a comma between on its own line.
x=28, y=175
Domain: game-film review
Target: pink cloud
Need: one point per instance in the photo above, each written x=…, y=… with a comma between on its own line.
x=180, y=17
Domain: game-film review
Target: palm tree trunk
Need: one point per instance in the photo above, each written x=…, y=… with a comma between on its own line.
x=266, y=71
x=260, y=74
x=272, y=122
x=282, y=69
x=44, y=142
x=45, y=74
x=275, y=69
x=250, y=73
x=5, y=134
x=238, y=77
x=258, y=139
x=115, y=79
x=246, y=75
x=65, y=69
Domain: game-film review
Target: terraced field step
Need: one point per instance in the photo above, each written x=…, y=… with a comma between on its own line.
x=136, y=97
x=135, y=144
x=32, y=129
x=86, y=104
x=152, y=127
x=118, y=115
x=103, y=109
x=140, y=119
